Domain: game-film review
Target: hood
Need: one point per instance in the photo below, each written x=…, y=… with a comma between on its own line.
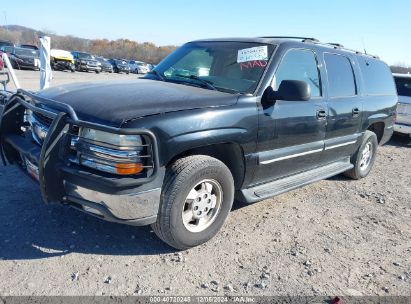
x=116, y=102
x=61, y=54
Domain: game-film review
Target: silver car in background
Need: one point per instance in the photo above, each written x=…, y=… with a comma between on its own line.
x=403, y=121
x=138, y=67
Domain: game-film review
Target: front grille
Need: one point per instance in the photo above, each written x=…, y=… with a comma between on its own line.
x=43, y=119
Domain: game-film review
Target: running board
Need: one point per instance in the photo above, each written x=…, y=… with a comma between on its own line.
x=277, y=187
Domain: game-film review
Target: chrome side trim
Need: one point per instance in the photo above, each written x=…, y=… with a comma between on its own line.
x=290, y=156
x=276, y=155
x=341, y=145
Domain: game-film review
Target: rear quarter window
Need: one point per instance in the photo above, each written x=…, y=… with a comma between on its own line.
x=377, y=76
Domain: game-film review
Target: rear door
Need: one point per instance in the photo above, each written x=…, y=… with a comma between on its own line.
x=344, y=107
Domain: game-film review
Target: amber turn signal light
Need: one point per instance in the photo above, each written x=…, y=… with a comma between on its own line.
x=127, y=169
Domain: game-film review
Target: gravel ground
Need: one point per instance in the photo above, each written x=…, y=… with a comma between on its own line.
x=335, y=237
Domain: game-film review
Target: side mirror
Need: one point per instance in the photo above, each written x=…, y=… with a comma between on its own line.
x=293, y=90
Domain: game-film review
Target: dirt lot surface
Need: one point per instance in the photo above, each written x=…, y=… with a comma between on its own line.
x=335, y=237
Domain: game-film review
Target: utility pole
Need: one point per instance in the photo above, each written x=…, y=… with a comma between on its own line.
x=5, y=23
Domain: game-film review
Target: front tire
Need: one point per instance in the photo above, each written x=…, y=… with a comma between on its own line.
x=196, y=198
x=363, y=160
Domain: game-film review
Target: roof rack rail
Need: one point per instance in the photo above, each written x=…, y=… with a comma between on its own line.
x=292, y=37
x=336, y=45
x=316, y=41
x=340, y=46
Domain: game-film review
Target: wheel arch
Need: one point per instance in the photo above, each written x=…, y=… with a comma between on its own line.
x=231, y=154
x=378, y=128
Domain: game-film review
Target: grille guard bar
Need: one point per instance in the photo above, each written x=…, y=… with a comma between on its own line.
x=51, y=187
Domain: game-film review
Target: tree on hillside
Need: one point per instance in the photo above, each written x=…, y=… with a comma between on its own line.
x=120, y=48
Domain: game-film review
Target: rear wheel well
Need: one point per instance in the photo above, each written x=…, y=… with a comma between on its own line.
x=378, y=129
x=229, y=153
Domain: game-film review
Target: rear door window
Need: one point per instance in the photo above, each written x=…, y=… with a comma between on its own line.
x=341, y=81
x=300, y=65
x=377, y=76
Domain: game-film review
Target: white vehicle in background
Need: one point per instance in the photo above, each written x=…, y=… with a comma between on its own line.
x=138, y=67
x=403, y=121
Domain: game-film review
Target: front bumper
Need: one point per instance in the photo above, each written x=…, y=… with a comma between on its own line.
x=107, y=69
x=63, y=65
x=130, y=200
x=123, y=69
x=86, y=67
x=27, y=65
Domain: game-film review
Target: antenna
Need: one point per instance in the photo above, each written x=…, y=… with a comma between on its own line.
x=363, y=45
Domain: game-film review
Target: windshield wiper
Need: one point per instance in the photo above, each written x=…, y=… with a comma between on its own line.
x=207, y=83
x=159, y=76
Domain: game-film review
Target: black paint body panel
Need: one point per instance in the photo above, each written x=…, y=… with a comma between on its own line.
x=276, y=140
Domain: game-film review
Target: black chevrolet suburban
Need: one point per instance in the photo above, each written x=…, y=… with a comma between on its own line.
x=216, y=121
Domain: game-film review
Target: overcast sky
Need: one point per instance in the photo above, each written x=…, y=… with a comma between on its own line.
x=376, y=24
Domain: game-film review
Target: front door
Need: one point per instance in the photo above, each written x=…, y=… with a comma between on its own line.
x=291, y=133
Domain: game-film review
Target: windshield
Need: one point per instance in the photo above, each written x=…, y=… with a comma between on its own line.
x=120, y=61
x=7, y=49
x=234, y=67
x=85, y=56
x=26, y=52
x=403, y=86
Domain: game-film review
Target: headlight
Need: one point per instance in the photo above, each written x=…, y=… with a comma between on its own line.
x=113, y=153
x=118, y=140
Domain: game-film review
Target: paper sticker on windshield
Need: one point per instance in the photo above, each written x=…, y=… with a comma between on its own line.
x=251, y=54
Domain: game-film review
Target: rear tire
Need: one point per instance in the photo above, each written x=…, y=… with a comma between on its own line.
x=197, y=196
x=363, y=160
